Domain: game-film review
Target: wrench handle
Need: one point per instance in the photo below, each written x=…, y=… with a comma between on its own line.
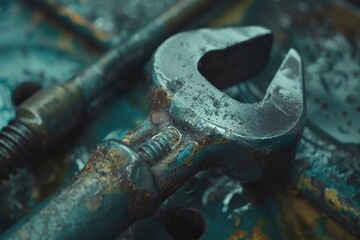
x=115, y=189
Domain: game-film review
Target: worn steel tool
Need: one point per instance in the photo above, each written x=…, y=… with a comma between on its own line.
x=192, y=126
x=47, y=116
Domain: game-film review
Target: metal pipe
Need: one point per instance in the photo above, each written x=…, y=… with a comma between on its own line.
x=50, y=114
x=116, y=188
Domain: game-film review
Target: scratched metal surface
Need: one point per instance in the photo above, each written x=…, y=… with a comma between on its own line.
x=118, y=18
x=325, y=176
x=105, y=23
x=31, y=51
x=36, y=51
x=327, y=34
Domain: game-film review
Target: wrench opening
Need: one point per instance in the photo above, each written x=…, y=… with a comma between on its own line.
x=224, y=68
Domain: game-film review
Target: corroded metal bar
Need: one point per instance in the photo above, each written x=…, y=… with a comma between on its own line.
x=127, y=179
x=118, y=183
x=114, y=189
x=51, y=113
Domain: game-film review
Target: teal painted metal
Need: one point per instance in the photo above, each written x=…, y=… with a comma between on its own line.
x=33, y=51
x=253, y=215
x=103, y=24
x=41, y=121
x=127, y=179
x=327, y=165
x=113, y=187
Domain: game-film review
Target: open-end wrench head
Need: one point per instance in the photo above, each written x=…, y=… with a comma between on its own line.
x=260, y=131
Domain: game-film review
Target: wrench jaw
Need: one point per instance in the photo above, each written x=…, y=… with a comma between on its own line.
x=279, y=121
x=276, y=125
x=283, y=106
x=182, y=64
x=184, y=61
x=247, y=141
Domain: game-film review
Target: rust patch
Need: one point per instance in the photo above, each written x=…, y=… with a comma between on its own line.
x=258, y=234
x=334, y=201
x=301, y=220
x=80, y=20
x=237, y=222
x=305, y=183
x=94, y=202
x=238, y=235
x=160, y=104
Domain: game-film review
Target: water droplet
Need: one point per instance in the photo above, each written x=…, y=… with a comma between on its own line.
x=351, y=99
x=216, y=103
x=324, y=105
x=317, y=100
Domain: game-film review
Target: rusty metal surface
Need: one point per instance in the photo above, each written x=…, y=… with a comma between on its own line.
x=41, y=121
x=279, y=116
x=326, y=169
x=105, y=23
x=227, y=215
x=132, y=185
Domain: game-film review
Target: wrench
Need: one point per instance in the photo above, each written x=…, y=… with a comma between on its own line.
x=192, y=126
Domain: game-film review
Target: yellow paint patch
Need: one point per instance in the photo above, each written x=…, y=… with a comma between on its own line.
x=65, y=42
x=333, y=200
x=237, y=222
x=234, y=15
x=301, y=220
x=306, y=184
x=72, y=15
x=82, y=21
x=297, y=217
x=305, y=211
x=335, y=230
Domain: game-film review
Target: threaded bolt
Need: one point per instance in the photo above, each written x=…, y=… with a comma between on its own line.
x=16, y=144
x=160, y=145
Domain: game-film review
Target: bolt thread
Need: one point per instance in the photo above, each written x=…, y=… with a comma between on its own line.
x=159, y=146
x=16, y=144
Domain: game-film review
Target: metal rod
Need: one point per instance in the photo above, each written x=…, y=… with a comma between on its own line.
x=50, y=114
